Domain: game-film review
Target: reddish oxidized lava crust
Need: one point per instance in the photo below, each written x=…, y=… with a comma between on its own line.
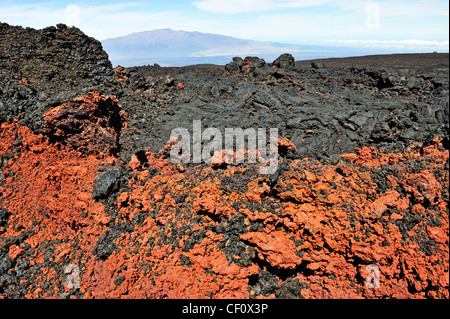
x=206, y=232
x=90, y=123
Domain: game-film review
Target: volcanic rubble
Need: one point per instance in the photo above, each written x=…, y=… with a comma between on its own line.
x=91, y=206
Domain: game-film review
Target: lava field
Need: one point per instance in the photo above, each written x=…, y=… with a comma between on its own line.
x=91, y=205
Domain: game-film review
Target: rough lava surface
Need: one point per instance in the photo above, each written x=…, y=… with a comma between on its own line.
x=91, y=205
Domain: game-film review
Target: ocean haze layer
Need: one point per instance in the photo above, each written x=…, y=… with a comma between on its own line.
x=169, y=47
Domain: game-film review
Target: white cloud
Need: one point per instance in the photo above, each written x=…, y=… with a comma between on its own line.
x=296, y=27
x=385, y=8
x=253, y=48
x=345, y=19
x=408, y=45
x=99, y=21
x=242, y=6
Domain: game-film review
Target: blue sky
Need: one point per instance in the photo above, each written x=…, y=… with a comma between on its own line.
x=418, y=24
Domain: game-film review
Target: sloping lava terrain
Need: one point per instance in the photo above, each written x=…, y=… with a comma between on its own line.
x=91, y=206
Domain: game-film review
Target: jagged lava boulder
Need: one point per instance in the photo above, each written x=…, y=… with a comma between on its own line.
x=40, y=69
x=90, y=123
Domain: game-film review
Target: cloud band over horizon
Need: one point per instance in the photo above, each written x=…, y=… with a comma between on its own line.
x=403, y=25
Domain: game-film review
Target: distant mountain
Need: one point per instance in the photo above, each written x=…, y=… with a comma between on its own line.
x=169, y=47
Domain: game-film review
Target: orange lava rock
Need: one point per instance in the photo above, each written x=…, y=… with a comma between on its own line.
x=424, y=186
x=15, y=251
x=203, y=232
x=120, y=74
x=256, y=189
x=286, y=143
x=25, y=82
x=275, y=248
x=90, y=124
x=134, y=162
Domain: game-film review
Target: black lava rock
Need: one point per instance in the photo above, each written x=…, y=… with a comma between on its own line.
x=285, y=60
x=105, y=184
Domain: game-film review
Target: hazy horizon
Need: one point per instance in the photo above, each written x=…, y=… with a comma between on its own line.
x=420, y=26
x=168, y=47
